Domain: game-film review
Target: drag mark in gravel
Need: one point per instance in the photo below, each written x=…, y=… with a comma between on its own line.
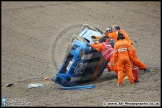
x=56, y=44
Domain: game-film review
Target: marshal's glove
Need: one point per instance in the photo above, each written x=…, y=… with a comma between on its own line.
x=93, y=37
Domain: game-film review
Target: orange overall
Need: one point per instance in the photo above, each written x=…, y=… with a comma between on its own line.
x=122, y=55
x=135, y=60
x=107, y=52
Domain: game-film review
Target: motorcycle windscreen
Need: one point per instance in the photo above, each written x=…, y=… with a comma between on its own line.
x=94, y=68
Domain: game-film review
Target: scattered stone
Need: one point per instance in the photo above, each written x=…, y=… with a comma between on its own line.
x=8, y=85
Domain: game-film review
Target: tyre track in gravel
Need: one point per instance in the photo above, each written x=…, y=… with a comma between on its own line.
x=57, y=49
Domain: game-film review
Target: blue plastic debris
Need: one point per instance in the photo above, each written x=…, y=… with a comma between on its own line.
x=34, y=85
x=77, y=87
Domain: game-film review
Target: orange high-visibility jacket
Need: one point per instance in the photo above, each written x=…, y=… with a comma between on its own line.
x=122, y=50
x=98, y=47
x=108, y=53
x=105, y=48
x=112, y=35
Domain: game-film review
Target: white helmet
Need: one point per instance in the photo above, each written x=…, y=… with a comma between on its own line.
x=109, y=29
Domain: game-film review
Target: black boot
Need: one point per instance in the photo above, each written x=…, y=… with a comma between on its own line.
x=146, y=70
